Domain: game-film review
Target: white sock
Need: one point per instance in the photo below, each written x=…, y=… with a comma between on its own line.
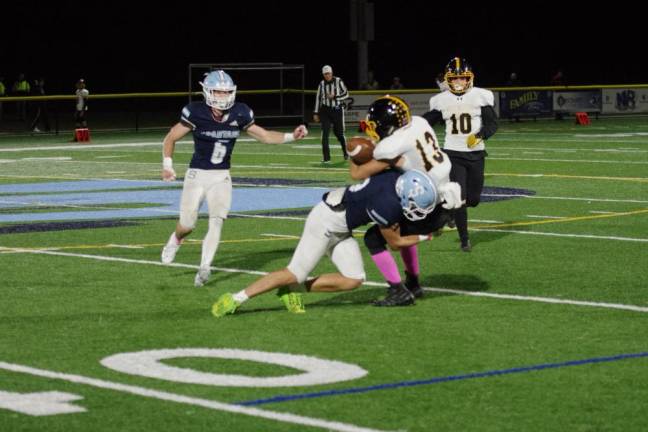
x=173, y=240
x=211, y=241
x=240, y=297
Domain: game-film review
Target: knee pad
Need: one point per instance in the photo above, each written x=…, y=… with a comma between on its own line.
x=374, y=240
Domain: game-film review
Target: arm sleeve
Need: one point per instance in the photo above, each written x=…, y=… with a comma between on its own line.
x=433, y=117
x=317, y=98
x=247, y=119
x=344, y=93
x=489, y=123
x=185, y=118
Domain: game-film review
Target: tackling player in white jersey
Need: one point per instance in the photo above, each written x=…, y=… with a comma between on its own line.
x=405, y=142
x=470, y=120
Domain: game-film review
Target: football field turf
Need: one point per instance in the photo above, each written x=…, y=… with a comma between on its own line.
x=543, y=326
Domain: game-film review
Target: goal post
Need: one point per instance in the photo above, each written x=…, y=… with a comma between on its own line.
x=274, y=91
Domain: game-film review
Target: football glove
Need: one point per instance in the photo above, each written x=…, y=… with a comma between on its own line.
x=473, y=140
x=450, y=195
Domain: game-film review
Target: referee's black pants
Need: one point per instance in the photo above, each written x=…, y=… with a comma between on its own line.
x=332, y=116
x=468, y=171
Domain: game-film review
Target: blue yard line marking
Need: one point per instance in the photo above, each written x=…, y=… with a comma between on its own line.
x=287, y=398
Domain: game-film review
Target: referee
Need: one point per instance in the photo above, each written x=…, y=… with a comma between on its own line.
x=330, y=110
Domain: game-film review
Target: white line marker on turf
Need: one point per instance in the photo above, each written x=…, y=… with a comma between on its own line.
x=369, y=283
x=545, y=217
x=550, y=234
x=172, y=397
x=280, y=235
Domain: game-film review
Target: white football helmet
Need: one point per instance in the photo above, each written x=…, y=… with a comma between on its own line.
x=216, y=82
x=418, y=194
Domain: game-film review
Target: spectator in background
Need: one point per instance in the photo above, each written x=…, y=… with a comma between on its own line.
x=558, y=79
x=513, y=80
x=371, y=83
x=3, y=92
x=329, y=108
x=81, y=104
x=41, y=116
x=21, y=88
x=396, y=84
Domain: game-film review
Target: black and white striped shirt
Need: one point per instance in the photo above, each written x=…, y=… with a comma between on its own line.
x=336, y=87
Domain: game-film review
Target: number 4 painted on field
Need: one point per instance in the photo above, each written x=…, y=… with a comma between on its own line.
x=40, y=404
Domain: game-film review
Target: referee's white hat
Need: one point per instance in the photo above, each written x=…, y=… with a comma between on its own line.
x=327, y=69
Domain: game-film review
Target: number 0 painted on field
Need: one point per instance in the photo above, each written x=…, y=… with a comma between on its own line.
x=316, y=371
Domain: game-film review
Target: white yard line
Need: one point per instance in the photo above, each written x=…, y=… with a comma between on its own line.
x=573, y=160
x=568, y=198
x=369, y=283
x=550, y=234
x=187, y=400
x=545, y=217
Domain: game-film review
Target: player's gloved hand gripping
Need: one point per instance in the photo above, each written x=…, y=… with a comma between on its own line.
x=473, y=140
x=451, y=195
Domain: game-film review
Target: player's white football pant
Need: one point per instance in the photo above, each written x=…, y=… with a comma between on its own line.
x=215, y=186
x=326, y=232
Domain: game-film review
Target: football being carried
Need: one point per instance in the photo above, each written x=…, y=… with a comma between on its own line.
x=360, y=149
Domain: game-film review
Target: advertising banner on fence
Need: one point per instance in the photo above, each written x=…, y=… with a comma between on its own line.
x=625, y=101
x=419, y=103
x=576, y=101
x=525, y=103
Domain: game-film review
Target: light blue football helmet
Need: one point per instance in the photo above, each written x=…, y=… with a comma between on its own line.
x=219, y=80
x=418, y=194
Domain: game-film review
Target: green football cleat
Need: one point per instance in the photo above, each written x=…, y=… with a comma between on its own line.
x=292, y=300
x=224, y=305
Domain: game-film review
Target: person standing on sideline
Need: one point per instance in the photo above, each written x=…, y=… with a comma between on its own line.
x=41, y=116
x=215, y=123
x=396, y=84
x=3, y=92
x=21, y=88
x=329, y=109
x=470, y=119
x=82, y=94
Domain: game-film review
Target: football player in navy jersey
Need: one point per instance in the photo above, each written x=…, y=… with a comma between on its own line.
x=215, y=124
x=383, y=199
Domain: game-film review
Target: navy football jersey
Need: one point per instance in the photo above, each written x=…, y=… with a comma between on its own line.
x=375, y=200
x=214, y=140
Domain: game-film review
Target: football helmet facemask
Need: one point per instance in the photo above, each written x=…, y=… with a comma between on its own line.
x=459, y=68
x=214, y=84
x=418, y=194
x=385, y=115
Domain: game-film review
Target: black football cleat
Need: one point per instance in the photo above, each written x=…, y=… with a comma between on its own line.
x=466, y=246
x=397, y=295
x=412, y=284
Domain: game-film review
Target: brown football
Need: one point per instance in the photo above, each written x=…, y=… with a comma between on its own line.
x=360, y=149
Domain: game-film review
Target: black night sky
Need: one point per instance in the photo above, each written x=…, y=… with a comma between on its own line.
x=128, y=47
